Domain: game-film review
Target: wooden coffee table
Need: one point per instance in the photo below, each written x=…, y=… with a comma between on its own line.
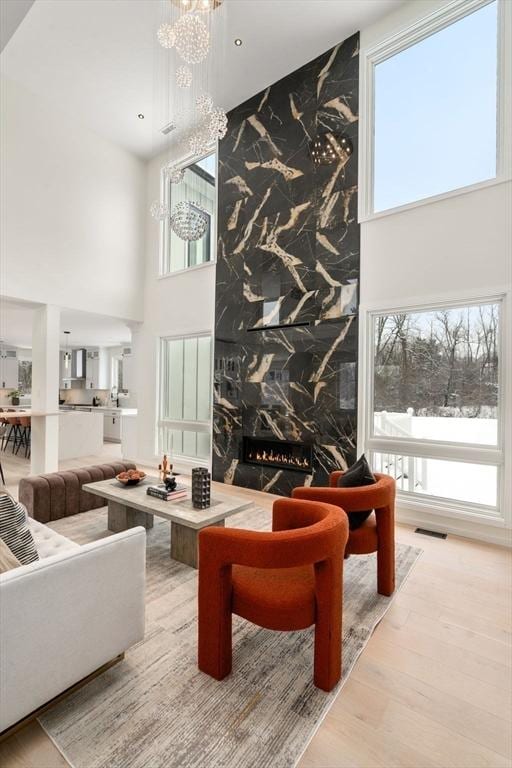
x=131, y=506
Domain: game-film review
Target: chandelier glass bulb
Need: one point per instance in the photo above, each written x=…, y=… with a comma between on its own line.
x=189, y=221
x=192, y=39
x=183, y=77
x=204, y=104
x=159, y=211
x=166, y=36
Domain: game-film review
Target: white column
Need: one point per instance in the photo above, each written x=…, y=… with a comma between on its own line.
x=45, y=389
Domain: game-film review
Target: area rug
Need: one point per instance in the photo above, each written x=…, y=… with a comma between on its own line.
x=156, y=710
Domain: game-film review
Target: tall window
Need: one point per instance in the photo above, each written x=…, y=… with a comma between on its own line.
x=435, y=415
x=198, y=186
x=185, y=397
x=435, y=104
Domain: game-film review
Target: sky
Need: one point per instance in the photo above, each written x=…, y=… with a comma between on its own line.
x=435, y=113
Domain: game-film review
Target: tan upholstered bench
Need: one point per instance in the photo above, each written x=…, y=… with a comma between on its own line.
x=60, y=494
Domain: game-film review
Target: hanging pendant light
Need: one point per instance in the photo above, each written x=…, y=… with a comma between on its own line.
x=67, y=354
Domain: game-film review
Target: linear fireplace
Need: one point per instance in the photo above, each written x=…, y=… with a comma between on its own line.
x=278, y=453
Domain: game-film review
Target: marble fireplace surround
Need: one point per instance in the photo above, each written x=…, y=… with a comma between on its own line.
x=287, y=281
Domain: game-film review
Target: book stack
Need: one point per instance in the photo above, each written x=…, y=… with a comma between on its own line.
x=161, y=492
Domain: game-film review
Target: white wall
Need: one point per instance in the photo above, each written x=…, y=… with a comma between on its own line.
x=71, y=211
x=177, y=305
x=455, y=248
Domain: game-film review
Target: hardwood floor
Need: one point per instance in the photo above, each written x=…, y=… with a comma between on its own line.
x=433, y=687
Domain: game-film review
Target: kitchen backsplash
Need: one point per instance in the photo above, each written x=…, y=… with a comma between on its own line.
x=84, y=396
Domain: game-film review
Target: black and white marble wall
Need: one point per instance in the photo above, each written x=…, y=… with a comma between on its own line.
x=287, y=277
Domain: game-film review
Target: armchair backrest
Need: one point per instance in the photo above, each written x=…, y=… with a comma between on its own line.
x=304, y=533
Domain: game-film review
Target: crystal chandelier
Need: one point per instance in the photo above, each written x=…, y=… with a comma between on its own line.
x=204, y=103
x=166, y=36
x=189, y=220
x=183, y=77
x=192, y=39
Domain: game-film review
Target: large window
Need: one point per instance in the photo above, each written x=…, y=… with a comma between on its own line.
x=435, y=107
x=434, y=421
x=198, y=187
x=185, y=397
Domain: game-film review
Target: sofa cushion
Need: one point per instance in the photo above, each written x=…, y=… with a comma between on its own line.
x=14, y=530
x=7, y=559
x=48, y=542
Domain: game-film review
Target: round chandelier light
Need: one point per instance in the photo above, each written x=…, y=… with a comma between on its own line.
x=183, y=77
x=159, y=211
x=218, y=123
x=204, y=103
x=192, y=39
x=189, y=221
x=166, y=36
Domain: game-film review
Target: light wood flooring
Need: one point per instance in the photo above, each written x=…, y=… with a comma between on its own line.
x=433, y=687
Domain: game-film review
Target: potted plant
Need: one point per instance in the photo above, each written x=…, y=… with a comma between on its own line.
x=15, y=396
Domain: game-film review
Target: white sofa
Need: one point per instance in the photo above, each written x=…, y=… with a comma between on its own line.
x=64, y=616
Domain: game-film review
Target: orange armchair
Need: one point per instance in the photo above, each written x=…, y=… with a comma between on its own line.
x=377, y=534
x=287, y=579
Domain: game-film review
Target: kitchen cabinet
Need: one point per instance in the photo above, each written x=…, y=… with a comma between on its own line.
x=8, y=369
x=112, y=426
x=96, y=372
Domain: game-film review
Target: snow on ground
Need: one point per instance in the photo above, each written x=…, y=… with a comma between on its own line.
x=475, y=483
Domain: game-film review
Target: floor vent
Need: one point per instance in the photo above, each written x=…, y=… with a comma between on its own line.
x=435, y=534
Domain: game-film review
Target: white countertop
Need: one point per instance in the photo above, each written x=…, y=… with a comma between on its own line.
x=122, y=411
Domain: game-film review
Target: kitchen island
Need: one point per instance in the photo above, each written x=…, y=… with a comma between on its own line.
x=80, y=434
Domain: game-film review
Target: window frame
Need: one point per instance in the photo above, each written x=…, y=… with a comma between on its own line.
x=164, y=226
x=435, y=449
x=405, y=38
x=186, y=425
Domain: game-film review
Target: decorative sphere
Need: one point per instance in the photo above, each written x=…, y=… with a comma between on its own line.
x=189, y=220
x=192, y=39
x=218, y=123
x=204, y=104
x=177, y=175
x=183, y=77
x=166, y=36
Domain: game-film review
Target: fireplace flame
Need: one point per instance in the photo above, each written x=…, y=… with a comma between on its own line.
x=279, y=458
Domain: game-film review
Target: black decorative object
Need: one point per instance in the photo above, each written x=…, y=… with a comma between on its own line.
x=328, y=147
x=287, y=282
x=200, y=488
x=170, y=483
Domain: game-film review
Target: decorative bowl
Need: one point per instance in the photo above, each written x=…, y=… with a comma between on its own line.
x=130, y=480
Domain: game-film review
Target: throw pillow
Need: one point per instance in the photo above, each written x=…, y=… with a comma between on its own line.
x=358, y=474
x=14, y=530
x=7, y=559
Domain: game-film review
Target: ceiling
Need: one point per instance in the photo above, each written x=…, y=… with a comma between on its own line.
x=87, y=329
x=98, y=60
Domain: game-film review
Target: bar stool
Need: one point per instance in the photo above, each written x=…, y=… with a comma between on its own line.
x=24, y=434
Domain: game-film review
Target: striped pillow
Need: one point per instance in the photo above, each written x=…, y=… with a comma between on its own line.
x=14, y=530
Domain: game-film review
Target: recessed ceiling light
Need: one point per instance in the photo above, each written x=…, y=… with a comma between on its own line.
x=140, y=116
x=238, y=42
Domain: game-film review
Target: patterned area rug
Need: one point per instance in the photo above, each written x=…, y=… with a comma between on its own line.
x=156, y=710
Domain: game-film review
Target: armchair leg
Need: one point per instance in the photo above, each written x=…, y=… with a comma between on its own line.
x=214, y=642
x=385, y=552
x=329, y=592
